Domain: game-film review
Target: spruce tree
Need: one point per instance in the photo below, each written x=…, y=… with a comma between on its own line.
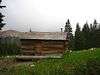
x=94, y=33
x=86, y=36
x=95, y=24
x=91, y=36
x=78, y=38
x=1, y=16
x=68, y=29
x=97, y=36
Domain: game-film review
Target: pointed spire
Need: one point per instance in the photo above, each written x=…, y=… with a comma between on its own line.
x=95, y=21
x=30, y=30
x=68, y=21
x=61, y=29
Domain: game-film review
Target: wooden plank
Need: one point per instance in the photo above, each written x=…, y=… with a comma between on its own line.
x=37, y=57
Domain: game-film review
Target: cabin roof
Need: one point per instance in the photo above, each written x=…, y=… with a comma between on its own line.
x=34, y=35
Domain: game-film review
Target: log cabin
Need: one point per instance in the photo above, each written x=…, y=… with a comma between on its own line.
x=40, y=43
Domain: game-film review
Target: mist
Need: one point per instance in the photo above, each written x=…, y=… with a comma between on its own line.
x=48, y=15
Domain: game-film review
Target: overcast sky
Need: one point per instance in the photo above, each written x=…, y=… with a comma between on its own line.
x=49, y=15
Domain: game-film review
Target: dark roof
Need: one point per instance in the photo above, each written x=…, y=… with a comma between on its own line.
x=34, y=35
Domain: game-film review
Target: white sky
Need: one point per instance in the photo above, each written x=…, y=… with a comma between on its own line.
x=49, y=15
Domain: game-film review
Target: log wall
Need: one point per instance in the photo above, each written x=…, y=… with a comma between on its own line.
x=42, y=47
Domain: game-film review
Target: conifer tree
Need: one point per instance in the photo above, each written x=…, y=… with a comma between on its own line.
x=68, y=29
x=91, y=36
x=95, y=24
x=78, y=38
x=94, y=35
x=1, y=16
x=86, y=36
x=97, y=38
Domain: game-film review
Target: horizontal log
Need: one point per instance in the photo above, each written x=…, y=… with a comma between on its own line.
x=36, y=57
